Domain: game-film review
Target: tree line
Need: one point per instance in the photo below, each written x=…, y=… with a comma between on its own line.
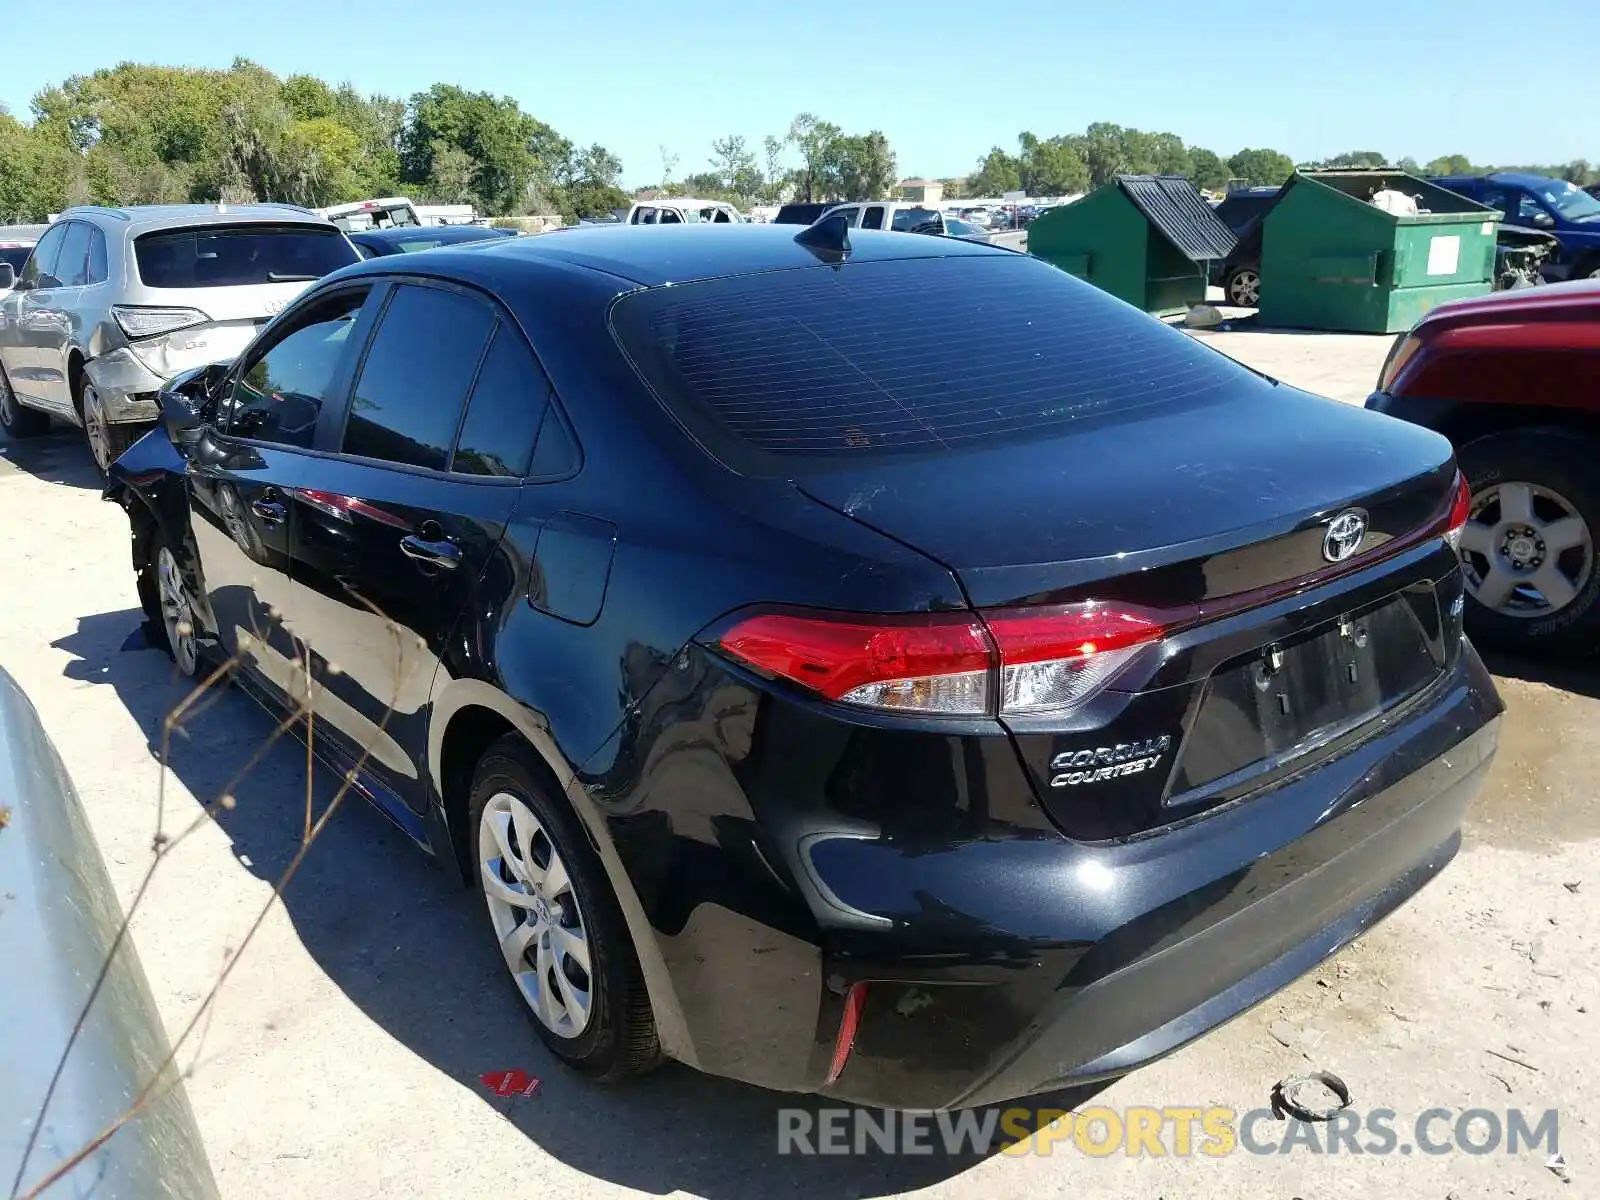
x=136, y=134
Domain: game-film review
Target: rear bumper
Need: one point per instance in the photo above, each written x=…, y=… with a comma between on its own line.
x=1015, y=968
x=127, y=387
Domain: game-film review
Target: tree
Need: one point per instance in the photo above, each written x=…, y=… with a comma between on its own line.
x=669, y=164
x=997, y=173
x=1410, y=166
x=1050, y=168
x=1207, y=170
x=509, y=147
x=818, y=177
x=1450, y=164
x=1351, y=159
x=865, y=166
x=772, y=190
x=733, y=164
x=450, y=175
x=1261, y=166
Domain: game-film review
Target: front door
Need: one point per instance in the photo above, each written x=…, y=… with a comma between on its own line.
x=36, y=326
x=246, y=467
x=394, y=540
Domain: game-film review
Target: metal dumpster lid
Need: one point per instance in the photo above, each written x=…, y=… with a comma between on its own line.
x=1171, y=204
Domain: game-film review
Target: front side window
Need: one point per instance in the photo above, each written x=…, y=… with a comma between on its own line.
x=40, y=271
x=279, y=396
x=670, y=217
x=72, y=265
x=423, y=358
x=237, y=255
x=872, y=218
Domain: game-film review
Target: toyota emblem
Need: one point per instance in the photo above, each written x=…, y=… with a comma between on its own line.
x=1344, y=535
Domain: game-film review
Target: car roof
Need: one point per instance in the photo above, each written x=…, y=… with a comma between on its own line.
x=144, y=218
x=653, y=255
x=691, y=201
x=1517, y=178
x=450, y=233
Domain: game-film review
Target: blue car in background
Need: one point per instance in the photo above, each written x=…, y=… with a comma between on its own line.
x=1555, y=206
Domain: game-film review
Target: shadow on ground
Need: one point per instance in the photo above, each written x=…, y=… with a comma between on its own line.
x=409, y=946
x=59, y=456
x=1580, y=676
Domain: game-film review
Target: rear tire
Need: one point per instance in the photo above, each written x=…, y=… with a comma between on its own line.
x=1242, y=285
x=106, y=439
x=1548, y=472
x=18, y=421
x=596, y=1017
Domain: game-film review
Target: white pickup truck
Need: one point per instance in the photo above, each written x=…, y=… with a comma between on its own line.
x=683, y=210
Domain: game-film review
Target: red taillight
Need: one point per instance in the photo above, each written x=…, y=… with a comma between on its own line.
x=933, y=662
x=854, y=1001
x=1043, y=659
x=1460, y=510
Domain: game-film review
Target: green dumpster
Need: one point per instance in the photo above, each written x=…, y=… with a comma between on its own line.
x=1146, y=239
x=1332, y=259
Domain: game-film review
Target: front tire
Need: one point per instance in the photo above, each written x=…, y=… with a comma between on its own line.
x=169, y=608
x=19, y=422
x=1529, y=547
x=555, y=920
x=107, y=439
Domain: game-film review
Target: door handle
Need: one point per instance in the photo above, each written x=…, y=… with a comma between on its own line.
x=269, y=512
x=442, y=553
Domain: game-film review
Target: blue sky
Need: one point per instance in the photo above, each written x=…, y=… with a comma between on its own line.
x=944, y=79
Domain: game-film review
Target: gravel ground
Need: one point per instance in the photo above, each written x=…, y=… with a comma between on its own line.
x=343, y=1057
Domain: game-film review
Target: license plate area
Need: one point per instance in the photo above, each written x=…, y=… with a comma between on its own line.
x=1262, y=711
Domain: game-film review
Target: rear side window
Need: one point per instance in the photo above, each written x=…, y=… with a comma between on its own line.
x=17, y=256
x=924, y=355
x=414, y=381
x=508, y=403
x=97, y=257
x=238, y=255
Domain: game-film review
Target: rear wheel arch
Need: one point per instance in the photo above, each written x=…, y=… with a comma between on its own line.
x=75, y=378
x=1464, y=423
x=469, y=717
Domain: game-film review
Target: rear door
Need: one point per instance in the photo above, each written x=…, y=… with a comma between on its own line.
x=250, y=460
x=406, y=514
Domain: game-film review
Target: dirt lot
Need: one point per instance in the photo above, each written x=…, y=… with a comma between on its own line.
x=343, y=1059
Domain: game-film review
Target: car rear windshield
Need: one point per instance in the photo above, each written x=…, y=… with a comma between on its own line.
x=236, y=256
x=905, y=356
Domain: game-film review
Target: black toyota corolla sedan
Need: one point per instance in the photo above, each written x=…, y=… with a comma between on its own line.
x=884, y=667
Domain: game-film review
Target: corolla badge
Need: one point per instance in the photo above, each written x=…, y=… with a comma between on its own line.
x=1344, y=535
x=1108, y=762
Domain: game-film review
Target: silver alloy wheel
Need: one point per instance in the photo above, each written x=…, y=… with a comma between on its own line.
x=1245, y=289
x=536, y=914
x=95, y=430
x=1525, y=550
x=177, y=613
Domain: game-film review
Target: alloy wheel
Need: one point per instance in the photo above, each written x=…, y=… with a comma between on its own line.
x=1244, y=290
x=177, y=613
x=537, y=916
x=1525, y=550
x=95, y=430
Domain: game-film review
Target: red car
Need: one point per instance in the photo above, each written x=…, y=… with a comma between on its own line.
x=1513, y=379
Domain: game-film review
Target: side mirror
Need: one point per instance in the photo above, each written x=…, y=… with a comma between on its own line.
x=180, y=416
x=1544, y=220
x=8, y=277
